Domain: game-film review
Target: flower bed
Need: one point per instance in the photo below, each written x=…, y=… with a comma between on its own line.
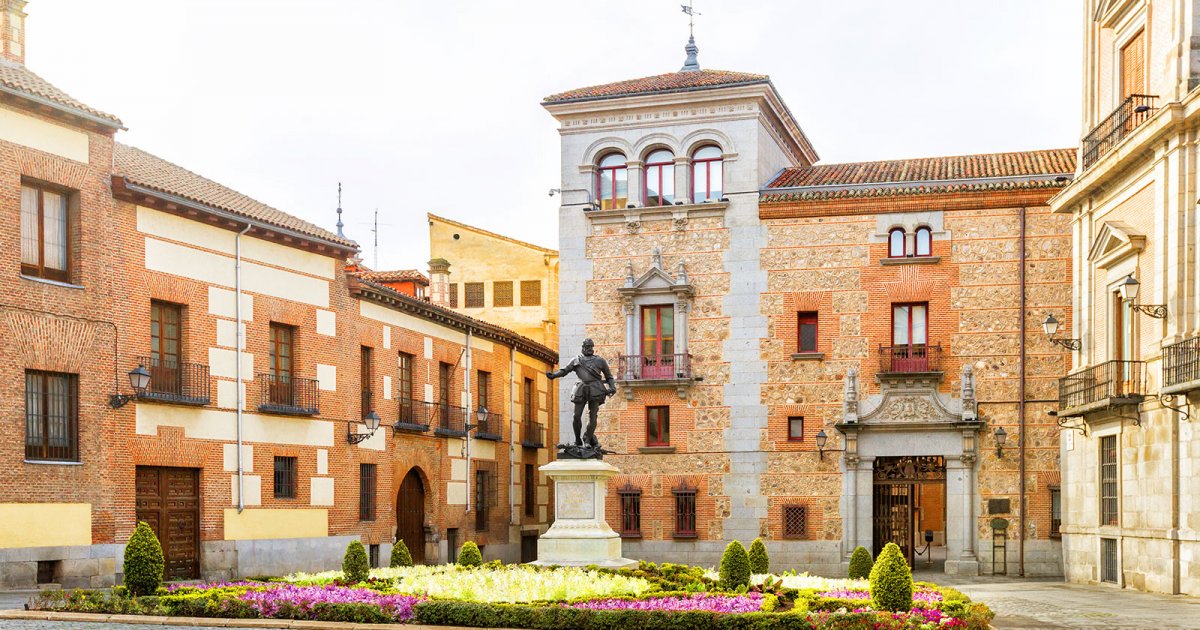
x=750, y=602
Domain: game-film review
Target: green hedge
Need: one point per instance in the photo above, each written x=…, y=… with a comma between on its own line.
x=400, y=555
x=760, y=562
x=860, y=564
x=445, y=613
x=469, y=555
x=143, y=561
x=735, y=566
x=891, y=581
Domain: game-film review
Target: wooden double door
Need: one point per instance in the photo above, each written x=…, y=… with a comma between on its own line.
x=168, y=499
x=410, y=515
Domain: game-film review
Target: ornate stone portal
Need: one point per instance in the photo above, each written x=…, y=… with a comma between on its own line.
x=580, y=536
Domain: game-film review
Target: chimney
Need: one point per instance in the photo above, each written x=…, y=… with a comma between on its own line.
x=12, y=30
x=439, y=282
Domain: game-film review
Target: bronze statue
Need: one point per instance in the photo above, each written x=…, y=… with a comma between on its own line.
x=594, y=387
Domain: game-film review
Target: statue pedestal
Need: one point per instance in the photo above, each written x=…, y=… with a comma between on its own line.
x=580, y=536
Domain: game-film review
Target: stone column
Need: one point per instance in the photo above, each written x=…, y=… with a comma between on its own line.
x=683, y=189
x=439, y=282
x=634, y=177
x=864, y=502
x=631, y=336
x=960, y=516
x=851, y=516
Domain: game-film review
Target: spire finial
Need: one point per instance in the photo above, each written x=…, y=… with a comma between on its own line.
x=340, y=225
x=691, y=64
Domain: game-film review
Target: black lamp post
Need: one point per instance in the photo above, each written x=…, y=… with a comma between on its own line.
x=1051, y=327
x=372, y=423
x=1001, y=435
x=139, y=380
x=1129, y=293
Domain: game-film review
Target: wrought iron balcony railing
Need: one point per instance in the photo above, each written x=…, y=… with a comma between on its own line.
x=1103, y=385
x=533, y=435
x=489, y=427
x=910, y=359
x=1131, y=113
x=415, y=415
x=175, y=382
x=288, y=394
x=451, y=420
x=1181, y=366
x=648, y=367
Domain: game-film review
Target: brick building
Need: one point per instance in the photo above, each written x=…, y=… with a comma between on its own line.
x=263, y=361
x=824, y=355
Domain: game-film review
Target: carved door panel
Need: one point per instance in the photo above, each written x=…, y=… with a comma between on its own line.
x=168, y=499
x=410, y=516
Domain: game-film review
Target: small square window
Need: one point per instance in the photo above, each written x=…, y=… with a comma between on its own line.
x=285, y=477
x=531, y=293
x=502, y=293
x=658, y=426
x=473, y=294
x=795, y=428
x=806, y=332
x=795, y=521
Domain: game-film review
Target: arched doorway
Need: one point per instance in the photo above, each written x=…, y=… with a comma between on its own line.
x=410, y=515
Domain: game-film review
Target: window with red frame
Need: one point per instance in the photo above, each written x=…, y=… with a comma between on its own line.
x=660, y=178
x=658, y=426
x=706, y=174
x=795, y=428
x=806, y=331
x=924, y=241
x=658, y=341
x=909, y=324
x=612, y=185
x=896, y=243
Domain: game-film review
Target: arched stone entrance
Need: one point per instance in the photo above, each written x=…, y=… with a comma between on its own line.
x=410, y=515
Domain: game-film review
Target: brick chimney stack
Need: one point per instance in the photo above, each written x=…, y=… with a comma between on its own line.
x=439, y=282
x=12, y=30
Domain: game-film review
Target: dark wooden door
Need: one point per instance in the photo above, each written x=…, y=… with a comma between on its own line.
x=168, y=499
x=528, y=547
x=410, y=515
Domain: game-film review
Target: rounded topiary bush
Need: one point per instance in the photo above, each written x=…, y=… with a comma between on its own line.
x=400, y=555
x=143, y=561
x=891, y=581
x=759, y=561
x=469, y=556
x=355, y=566
x=860, y=564
x=735, y=566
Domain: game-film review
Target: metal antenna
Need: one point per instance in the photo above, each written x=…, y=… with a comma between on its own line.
x=375, y=231
x=339, y=211
x=691, y=64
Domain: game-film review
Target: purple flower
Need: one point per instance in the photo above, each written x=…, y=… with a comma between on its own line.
x=750, y=602
x=267, y=601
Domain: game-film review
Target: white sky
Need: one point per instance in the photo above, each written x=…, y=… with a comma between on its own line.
x=433, y=106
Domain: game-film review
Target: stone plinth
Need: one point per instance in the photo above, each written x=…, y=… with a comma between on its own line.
x=580, y=536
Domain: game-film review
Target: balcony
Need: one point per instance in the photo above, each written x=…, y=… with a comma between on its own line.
x=451, y=421
x=1129, y=115
x=176, y=382
x=415, y=416
x=1100, y=387
x=288, y=395
x=533, y=435
x=916, y=359
x=489, y=427
x=1181, y=366
x=654, y=370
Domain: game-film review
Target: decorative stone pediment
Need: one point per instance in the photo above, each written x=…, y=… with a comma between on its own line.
x=911, y=408
x=909, y=401
x=1115, y=241
x=656, y=281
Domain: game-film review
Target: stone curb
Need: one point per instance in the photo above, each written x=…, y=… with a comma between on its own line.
x=215, y=622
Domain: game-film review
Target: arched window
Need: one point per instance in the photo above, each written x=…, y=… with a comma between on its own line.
x=660, y=178
x=612, y=186
x=706, y=174
x=896, y=243
x=924, y=242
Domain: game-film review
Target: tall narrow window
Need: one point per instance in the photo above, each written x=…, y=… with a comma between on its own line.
x=660, y=178
x=484, y=493
x=631, y=510
x=658, y=341
x=531, y=293
x=1055, y=512
x=281, y=365
x=658, y=426
x=444, y=371
x=923, y=241
x=45, y=233
x=502, y=293
x=453, y=295
x=612, y=187
x=896, y=244
x=452, y=544
x=285, y=477
x=1133, y=65
x=528, y=398
x=367, y=378
x=795, y=428
x=685, y=511
x=366, y=492
x=909, y=352
x=51, y=416
x=530, y=490
x=806, y=332
x=164, y=348
x=1108, y=480
x=473, y=294
x=406, y=388
x=1108, y=560
x=706, y=174
x=483, y=383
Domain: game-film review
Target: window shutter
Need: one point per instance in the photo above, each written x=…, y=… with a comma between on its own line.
x=1133, y=65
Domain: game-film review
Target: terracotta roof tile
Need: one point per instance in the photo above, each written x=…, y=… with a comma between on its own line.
x=19, y=78
x=399, y=275
x=958, y=167
x=671, y=82
x=141, y=168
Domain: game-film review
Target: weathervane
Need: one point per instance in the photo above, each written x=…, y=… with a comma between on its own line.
x=691, y=64
x=339, y=211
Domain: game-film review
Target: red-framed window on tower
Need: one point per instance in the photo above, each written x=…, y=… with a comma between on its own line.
x=658, y=341
x=910, y=337
x=707, y=174
x=896, y=243
x=806, y=331
x=923, y=242
x=612, y=183
x=660, y=178
x=795, y=428
x=658, y=426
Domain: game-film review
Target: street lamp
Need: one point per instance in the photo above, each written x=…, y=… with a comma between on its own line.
x=1001, y=435
x=1051, y=327
x=371, y=421
x=1129, y=293
x=139, y=380
x=481, y=417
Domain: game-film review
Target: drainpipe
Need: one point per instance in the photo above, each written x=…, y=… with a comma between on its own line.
x=467, y=437
x=237, y=313
x=1021, y=414
x=512, y=436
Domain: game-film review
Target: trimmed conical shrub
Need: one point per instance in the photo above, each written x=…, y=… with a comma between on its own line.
x=735, y=566
x=400, y=555
x=143, y=561
x=891, y=581
x=469, y=556
x=860, y=564
x=355, y=566
x=760, y=562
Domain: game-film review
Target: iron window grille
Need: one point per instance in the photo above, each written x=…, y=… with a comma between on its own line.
x=795, y=522
x=685, y=511
x=530, y=490
x=366, y=492
x=806, y=331
x=473, y=294
x=502, y=293
x=285, y=477
x=1108, y=560
x=485, y=493
x=1055, y=512
x=531, y=293
x=453, y=295
x=1108, y=480
x=631, y=510
x=51, y=416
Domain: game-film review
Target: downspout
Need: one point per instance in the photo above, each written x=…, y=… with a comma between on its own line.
x=467, y=425
x=237, y=313
x=512, y=437
x=1021, y=413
